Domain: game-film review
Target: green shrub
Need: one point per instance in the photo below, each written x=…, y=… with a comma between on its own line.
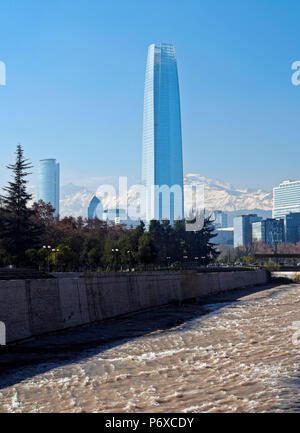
x=272, y=266
x=296, y=279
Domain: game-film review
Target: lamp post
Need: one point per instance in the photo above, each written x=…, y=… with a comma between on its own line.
x=55, y=250
x=48, y=249
x=115, y=252
x=129, y=252
x=185, y=261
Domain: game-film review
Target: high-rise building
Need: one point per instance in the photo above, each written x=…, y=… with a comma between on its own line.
x=162, y=170
x=292, y=228
x=269, y=231
x=95, y=209
x=48, y=183
x=286, y=198
x=220, y=219
x=242, y=229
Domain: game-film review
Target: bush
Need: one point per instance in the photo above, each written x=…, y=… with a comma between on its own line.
x=296, y=279
x=272, y=266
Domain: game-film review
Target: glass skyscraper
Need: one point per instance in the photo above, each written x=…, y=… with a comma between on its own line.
x=292, y=228
x=286, y=198
x=162, y=170
x=94, y=206
x=242, y=229
x=48, y=183
x=220, y=220
x=269, y=231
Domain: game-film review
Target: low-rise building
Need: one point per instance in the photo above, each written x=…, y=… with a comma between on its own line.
x=224, y=236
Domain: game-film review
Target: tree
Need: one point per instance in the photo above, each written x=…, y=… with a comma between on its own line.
x=44, y=212
x=146, y=251
x=65, y=258
x=19, y=231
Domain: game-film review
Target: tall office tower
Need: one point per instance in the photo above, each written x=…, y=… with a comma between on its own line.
x=48, y=183
x=220, y=219
x=292, y=228
x=242, y=229
x=162, y=170
x=269, y=231
x=286, y=198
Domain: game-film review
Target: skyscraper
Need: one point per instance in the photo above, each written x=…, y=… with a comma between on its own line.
x=220, y=219
x=48, y=183
x=94, y=206
x=292, y=227
x=162, y=170
x=286, y=198
x=269, y=231
x=242, y=229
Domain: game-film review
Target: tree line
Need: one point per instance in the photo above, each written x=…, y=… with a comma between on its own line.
x=31, y=236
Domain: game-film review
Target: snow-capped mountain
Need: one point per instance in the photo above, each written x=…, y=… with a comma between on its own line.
x=217, y=195
x=74, y=200
x=224, y=196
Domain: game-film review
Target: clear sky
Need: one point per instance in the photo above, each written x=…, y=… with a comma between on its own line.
x=75, y=78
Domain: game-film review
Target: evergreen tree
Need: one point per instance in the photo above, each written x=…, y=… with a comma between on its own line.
x=205, y=249
x=19, y=232
x=147, y=252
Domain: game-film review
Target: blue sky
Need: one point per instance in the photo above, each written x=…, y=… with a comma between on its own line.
x=75, y=78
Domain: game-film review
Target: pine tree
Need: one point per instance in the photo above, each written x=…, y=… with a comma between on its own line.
x=19, y=232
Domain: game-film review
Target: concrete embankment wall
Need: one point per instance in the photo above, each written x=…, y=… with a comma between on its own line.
x=34, y=307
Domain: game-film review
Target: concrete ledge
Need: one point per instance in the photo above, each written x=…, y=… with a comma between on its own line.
x=34, y=307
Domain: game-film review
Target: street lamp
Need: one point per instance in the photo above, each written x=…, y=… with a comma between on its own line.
x=55, y=250
x=48, y=248
x=185, y=258
x=130, y=259
x=115, y=251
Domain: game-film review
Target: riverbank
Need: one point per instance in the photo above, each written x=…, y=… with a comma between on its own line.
x=33, y=307
x=233, y=352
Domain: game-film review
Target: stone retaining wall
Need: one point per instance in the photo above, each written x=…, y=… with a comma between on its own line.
x=34, y=307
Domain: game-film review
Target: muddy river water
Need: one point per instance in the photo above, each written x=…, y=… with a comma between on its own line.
x=235, y=353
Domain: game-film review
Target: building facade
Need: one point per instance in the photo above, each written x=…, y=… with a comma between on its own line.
x=48, y=183
x=292, y=228
x=269, y=231
x=115, y=215
x=95, y=208
x=220, y=219
x=162, y=167
x=242, y=229
x=286, y=198
x=224, y=236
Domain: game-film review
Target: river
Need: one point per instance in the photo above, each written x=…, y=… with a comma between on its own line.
x=232, y=354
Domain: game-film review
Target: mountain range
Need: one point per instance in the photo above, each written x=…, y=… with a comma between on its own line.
x=217, y=195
